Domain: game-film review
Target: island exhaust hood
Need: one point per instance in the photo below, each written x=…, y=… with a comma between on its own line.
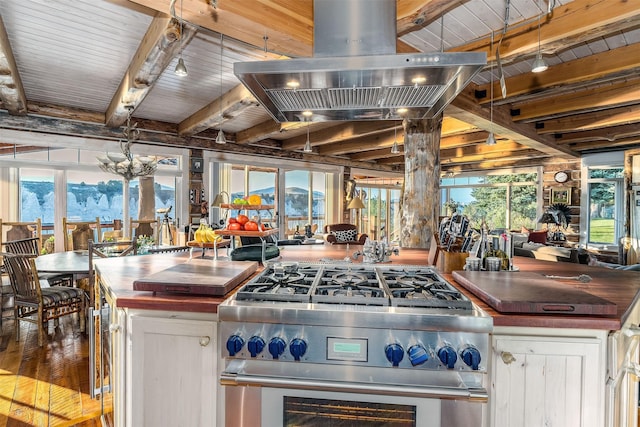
x=355, y=73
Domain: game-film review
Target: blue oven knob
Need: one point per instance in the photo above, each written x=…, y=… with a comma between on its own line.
x=276, y=347
x=297, y=348
x=234, y=344
x=394, y=353
x=471, y=356
x=417, y=354
x=447, y=356
x=255, y=345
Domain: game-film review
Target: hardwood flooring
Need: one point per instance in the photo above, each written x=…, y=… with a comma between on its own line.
x=46, y=386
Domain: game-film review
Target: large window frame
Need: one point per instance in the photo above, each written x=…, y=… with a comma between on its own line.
x=78, y=155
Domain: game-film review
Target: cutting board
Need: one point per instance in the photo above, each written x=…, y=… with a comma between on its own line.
x=198, y=276
x=531, y=293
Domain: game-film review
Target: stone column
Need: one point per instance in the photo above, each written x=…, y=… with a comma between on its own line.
x=420, y=204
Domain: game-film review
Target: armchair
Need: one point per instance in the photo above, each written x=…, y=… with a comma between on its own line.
x=343, y=234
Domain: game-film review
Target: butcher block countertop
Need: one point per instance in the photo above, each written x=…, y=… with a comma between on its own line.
x=620, y=287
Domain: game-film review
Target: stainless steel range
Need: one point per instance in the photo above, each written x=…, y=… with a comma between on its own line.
x=353, y=345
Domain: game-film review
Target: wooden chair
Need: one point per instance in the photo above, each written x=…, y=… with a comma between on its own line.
x=145, y=227
x=31, y=246
x=44, y=303
x=78, y=233
x=20, y=230
x=107, y=250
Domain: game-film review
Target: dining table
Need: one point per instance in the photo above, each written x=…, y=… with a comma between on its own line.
x=68, y=262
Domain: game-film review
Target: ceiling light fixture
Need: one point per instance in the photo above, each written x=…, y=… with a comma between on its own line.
x=539, y=64
x=307, y=145
x=181, y=69
x=125, y=164
x=491, y=139
x=220, y=139
x=394, y=148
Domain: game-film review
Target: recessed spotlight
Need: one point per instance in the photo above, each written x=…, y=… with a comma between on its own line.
x=293, y=84
x=419, y=80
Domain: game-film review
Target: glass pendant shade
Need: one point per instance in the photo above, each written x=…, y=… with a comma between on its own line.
x=539, y=65
x=394, y=148
x=491, y=139
x=181, y=69
x=221, y=139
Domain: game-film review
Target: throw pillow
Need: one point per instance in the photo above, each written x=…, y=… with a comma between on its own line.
x=345, y=235
x=538, y=236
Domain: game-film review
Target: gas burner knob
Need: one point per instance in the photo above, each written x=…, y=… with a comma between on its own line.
x=255, y=345
x=234, y=344
x=394, y=353
x=471, y=356
x=297, y=348
x=417, y=354
x=276, y=347
x=448, y=356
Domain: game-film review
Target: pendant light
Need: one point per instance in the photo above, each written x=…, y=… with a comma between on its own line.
x=181, y=69
x=539, y=64
x=395, y=149
x=307, y=145
x=220, y=139
x=491, y=139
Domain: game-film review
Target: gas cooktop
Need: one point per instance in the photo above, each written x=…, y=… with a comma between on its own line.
x=354, y=284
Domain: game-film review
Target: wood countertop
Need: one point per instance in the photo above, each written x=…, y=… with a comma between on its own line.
x=620, y=287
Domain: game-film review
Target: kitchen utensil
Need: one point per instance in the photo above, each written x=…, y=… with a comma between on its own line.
x=584, y=278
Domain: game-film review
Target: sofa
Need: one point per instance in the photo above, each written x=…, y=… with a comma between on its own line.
x=343, y=234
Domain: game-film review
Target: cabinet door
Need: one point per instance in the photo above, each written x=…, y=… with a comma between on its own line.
x=545, y=381
x=172, y=372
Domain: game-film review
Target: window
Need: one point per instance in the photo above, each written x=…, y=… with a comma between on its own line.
x=37, y=197
x=381, y=215
x=605, y=189
x=507, y=201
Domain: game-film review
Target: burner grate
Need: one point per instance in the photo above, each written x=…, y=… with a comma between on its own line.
x=278, y=284
x=353, y=285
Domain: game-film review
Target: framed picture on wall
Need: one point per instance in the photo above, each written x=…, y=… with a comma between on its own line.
x=197, y=165
x=560, y=195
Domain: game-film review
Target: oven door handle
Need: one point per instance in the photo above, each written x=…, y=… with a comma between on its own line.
x=470, y=393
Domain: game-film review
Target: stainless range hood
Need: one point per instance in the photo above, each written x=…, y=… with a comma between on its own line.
x=355, y=73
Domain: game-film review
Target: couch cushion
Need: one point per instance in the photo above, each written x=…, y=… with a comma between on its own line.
x=345, y=235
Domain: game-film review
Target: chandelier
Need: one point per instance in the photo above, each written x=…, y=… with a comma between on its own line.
x=125, y=164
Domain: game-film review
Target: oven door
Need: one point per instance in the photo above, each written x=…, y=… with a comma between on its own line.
x=320, y=395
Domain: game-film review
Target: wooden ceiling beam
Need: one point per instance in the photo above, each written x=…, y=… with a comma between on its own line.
x=12, y=92
x=589, y=68
x=575, y=22
x=342, y=132
x=156, y=51
x=530, y=160
x=610, y=134
x=414, y=15
x=361, y=143
x=594, y=120
x=591, y=99
x=228, y=106
x=464, y=107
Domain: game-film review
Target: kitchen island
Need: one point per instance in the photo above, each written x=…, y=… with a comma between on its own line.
x=555, y=369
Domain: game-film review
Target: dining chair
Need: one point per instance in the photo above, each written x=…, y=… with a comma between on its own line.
x=107, y=250
x=78, y=233
x=31, y=246
x=16, y=230
x=145, y=227
x=44, y=303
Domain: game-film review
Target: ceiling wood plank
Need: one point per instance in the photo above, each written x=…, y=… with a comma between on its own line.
x=11, y=90
x=464, y=107
x=581, y=70
x=611, y=134
x=341, y=132
x=157, y=49
x=575, y=22
x=228, y=106
x=598, y=98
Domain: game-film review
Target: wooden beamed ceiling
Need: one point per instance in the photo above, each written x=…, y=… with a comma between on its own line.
x=590, y=103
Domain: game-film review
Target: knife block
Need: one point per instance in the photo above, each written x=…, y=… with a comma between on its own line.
x=450, y=261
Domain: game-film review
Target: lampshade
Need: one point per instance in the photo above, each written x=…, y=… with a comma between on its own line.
x=491, y=139
x=221, y=139
x=219, y=199
x=539, y=65
x=355, y=203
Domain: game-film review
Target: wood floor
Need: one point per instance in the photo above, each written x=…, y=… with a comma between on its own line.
x=46, y=386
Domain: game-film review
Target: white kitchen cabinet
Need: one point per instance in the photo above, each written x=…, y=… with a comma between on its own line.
x=550, y=377
x=171, y=374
